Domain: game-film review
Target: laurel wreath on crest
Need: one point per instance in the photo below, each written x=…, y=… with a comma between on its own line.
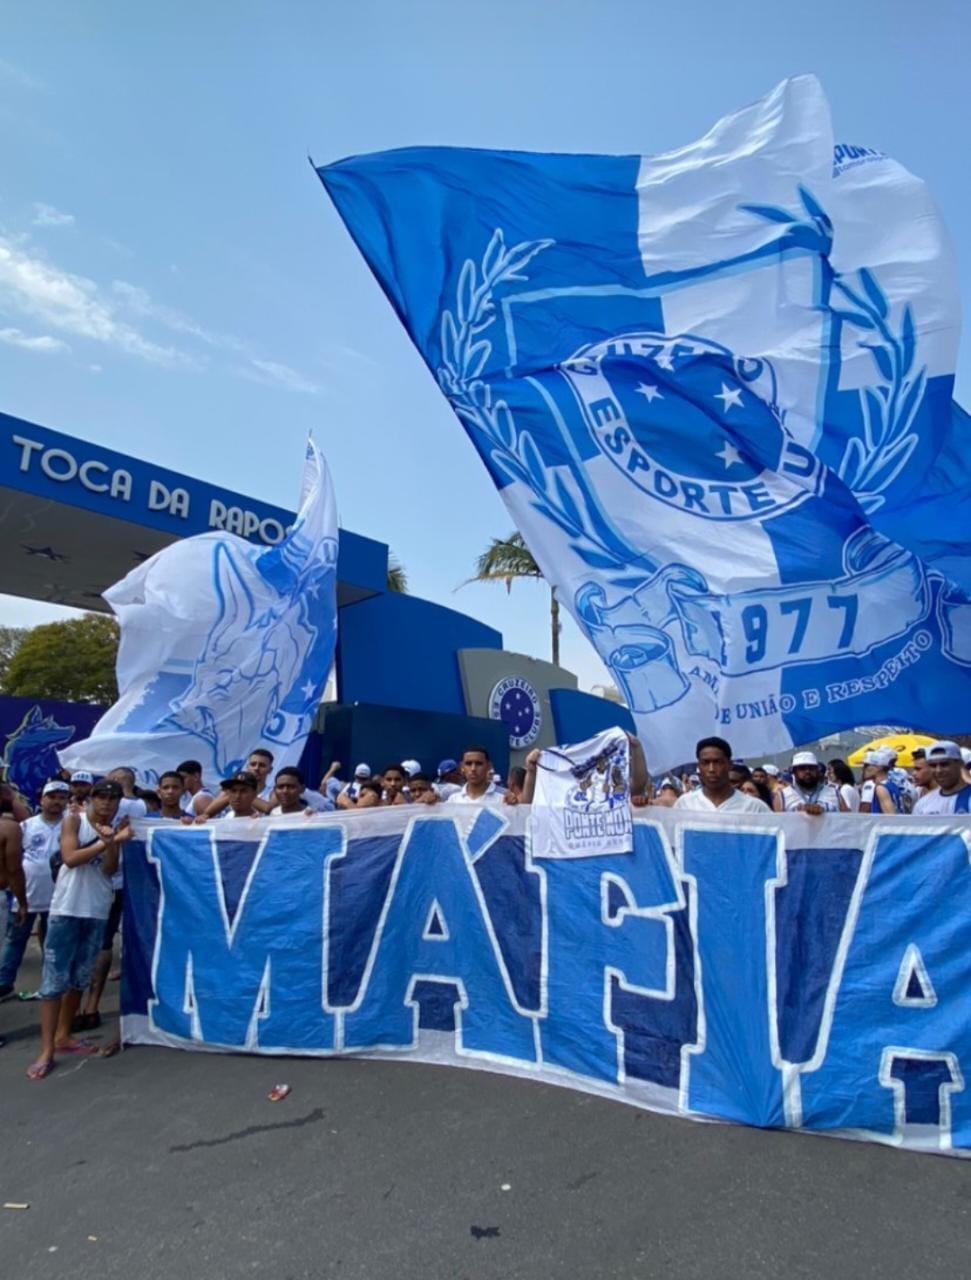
x=513, y=452
x=873, y=459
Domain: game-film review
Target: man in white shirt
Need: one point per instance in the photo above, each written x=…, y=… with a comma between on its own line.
x=716, y=793
x=349, y=794
x=41, y=840
x=810, y=792
x=953, y=794
x=449, y=780
x=477, y=772
x=196, y=795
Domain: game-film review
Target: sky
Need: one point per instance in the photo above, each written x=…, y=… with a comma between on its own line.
x=174, y=282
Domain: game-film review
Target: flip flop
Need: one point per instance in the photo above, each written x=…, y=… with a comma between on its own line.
x=40, y=1070
x=79, y=1046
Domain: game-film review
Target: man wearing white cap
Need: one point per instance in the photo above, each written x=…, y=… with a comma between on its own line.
x=810, y=792
x=883, y=794
x=347, y=799
x=953, y=794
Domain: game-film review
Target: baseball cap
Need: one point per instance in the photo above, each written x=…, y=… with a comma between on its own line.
x=446, y=766
x=82, y=775
x=772, y=770
x=966, y=755
x=108, y=788
x=362, y=771
x=55, y=787
x=883, y=757
x=241, y=779
x=804, y=757
x=411, y=767
x=671, y=784
x=944, y=750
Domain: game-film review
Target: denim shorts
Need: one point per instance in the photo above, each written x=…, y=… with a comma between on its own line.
x=70, y=950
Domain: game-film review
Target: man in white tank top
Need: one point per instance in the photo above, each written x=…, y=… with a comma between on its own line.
x=90, y=848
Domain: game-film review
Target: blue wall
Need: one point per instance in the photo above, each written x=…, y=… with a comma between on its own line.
x=32, y=730
x=399, y=651
x=382, y=735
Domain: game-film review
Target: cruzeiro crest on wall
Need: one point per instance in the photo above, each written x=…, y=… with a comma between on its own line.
x=731, y=459
x=515, y=702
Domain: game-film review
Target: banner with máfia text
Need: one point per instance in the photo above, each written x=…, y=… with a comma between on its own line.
x=782, y=971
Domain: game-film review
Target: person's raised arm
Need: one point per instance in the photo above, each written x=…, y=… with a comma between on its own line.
x=331, y=772
x=216, y=805
x=529, y=785
x=639, y=776
x=72, y=855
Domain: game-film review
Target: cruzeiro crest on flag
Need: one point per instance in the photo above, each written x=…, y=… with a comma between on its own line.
x=692, y=425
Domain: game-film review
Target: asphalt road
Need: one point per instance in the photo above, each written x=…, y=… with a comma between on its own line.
x=179, y=1168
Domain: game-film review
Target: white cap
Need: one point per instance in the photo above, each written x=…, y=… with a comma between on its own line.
x=966, y=755
x=771, y=769
x=869, y=757
x=82, y=775
x=883, y=757
x=804, y=757
x=362, y=771
x=55, y=788
x=944, y=750
x=411, y=767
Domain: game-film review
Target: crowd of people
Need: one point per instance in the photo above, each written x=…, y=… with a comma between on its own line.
x=61, y=867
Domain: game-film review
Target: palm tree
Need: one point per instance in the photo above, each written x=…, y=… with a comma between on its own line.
x=397, y=577
x=507, y=559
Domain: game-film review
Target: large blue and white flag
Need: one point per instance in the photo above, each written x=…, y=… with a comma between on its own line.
x=225, y=646
x=715, y=390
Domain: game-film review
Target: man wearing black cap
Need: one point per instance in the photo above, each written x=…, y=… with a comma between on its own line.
x=241, y=791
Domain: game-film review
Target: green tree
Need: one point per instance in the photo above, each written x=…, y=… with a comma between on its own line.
x=73, y=661
x=397, y=577
x=11, y=639
x=507, y=559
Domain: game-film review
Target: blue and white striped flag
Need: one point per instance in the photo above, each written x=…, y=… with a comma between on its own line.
x=715, y=390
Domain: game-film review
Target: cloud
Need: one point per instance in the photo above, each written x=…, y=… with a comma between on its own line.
x=45, y=215
x=73, y=304
x=272, y=373
x=140, y=302
x=16, y=75
x=42, y=342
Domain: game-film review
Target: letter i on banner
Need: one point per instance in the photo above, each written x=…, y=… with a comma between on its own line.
x=733, y=1070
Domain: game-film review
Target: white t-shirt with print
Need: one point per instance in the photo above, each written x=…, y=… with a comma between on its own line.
x=42, y=839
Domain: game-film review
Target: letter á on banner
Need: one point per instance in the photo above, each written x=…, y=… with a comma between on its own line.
x=894, y=1045
x=254, y=981
x=735, y=1069
x=435, y=927
x=592, y=943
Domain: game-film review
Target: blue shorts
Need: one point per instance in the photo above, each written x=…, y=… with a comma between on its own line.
x=70, y=950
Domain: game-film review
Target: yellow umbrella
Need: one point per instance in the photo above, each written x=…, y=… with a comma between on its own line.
x=902, y=743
